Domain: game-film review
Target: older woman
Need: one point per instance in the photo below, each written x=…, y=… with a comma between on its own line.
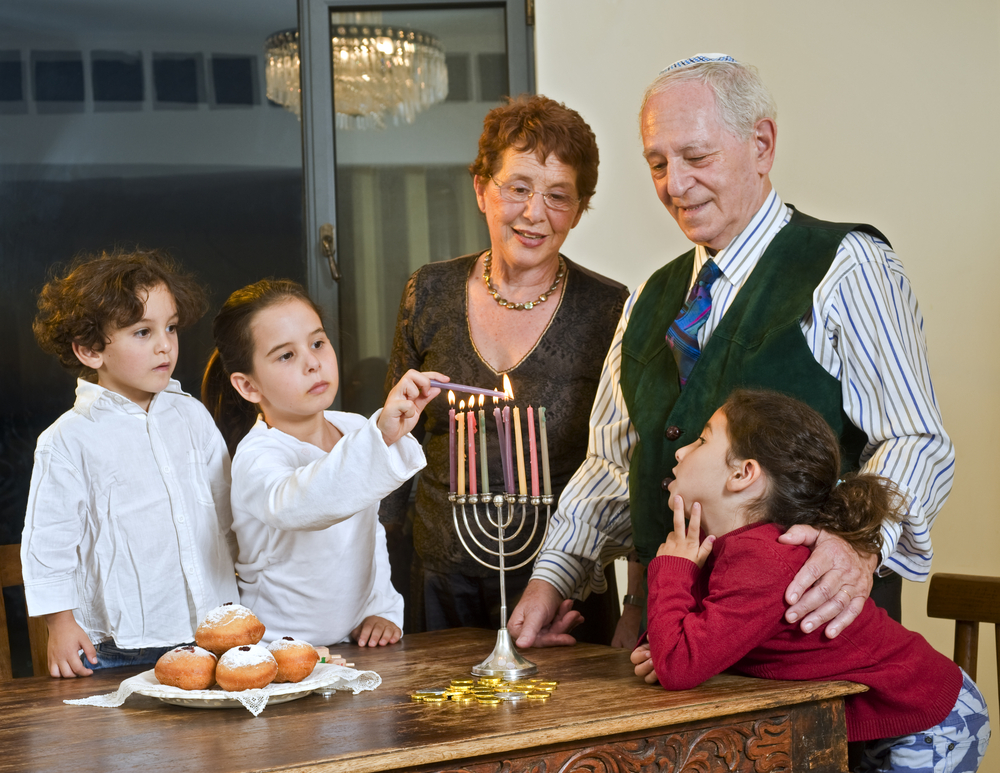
x=519, y=308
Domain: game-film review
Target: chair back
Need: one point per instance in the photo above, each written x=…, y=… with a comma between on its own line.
x=38, y=635
x=968, y=600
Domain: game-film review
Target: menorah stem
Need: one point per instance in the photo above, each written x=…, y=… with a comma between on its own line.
x=503, y=582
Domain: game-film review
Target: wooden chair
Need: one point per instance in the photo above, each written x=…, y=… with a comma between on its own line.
x=38, y=635
x=968, y=600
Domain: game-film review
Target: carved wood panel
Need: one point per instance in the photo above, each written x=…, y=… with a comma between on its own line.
x=759, y=746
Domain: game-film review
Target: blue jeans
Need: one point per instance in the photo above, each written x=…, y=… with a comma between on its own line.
x=957, y=745
x=109, y=655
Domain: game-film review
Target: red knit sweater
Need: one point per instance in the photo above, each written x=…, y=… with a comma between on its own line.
x=730, y=615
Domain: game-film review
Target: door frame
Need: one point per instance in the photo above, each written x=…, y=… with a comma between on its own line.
x=319, y=153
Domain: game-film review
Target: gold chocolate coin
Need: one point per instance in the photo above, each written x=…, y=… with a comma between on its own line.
x=539, y=696
x=434, y=699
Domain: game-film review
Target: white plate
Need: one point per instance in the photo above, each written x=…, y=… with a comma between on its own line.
x=323, y=675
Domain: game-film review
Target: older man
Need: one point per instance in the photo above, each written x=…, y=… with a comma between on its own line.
x=768, y=298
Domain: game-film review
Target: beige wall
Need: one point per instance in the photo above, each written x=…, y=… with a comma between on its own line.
x=889, y=113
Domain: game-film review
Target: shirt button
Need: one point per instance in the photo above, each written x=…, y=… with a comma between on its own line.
x=951, y=747
x=166, y=469
x=673, y=432
x=180, y=519
x=928, y=739
x=665, y=483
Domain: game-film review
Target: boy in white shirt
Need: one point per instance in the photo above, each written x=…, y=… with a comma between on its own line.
x=127, y=540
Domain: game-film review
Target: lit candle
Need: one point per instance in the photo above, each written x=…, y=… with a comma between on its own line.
x=471, y=419
x=451, y=442
x=546, y=481
x=509, y=471
x=483, y=460
x=500, y=437
x=461, y=449
x=533, y=452
x=522, y=487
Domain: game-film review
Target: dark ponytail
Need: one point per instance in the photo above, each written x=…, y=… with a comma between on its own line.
x=801, y=456
x=234, y=348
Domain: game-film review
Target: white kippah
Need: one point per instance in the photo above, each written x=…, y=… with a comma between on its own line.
x=698, y=59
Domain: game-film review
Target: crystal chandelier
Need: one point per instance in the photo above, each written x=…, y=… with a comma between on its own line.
x=381, y=74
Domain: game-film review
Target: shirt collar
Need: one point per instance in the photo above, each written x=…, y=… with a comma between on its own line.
x=737, y=259
x=90, y=396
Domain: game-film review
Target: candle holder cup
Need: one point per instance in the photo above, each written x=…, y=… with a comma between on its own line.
x=492, y=522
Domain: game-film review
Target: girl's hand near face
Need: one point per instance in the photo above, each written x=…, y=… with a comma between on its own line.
x=405, y=402
x=683, y=541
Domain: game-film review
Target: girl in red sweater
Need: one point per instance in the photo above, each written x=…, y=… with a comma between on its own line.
x=763, y=463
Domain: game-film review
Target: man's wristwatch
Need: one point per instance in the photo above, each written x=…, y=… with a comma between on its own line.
x=635, y=601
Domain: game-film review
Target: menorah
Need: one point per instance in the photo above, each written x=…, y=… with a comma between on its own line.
x=491, y=522
x=493, y=515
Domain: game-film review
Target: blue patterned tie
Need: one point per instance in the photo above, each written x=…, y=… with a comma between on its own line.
x=683, y=333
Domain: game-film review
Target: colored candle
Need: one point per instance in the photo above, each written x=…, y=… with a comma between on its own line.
x=509, y=473
x=546, y=481
x=503, y=443
x=461, y=449
x=532, y=451
x=451, y=443
x=471, y=419
x=483, y=460
x=522, y=487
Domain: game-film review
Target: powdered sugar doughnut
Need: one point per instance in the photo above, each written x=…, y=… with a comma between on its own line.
x=228, y=626
x=296, y=658
x=245, y=668
x=190, y=668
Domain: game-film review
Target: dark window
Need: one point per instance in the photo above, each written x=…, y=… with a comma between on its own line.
x=11, y=77
x=493, y=86
x=234, y=80
x=58, y=76
x=459, y=85
x=177, y=78
x=117, y=76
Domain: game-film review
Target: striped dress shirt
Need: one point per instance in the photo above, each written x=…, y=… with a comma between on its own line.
x=864, y=328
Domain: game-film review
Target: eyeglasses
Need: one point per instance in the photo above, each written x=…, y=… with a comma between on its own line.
x=518, y=193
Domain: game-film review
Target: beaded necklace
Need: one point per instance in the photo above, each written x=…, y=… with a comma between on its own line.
x=529, y=305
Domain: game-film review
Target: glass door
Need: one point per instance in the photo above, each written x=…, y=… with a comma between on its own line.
x=395, y=97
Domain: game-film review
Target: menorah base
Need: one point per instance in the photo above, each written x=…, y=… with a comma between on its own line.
x=505, y=661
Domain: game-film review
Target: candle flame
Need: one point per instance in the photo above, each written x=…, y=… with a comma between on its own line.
x=481, y=400
x=461, y=405
x=451, y=398
x=507, y=389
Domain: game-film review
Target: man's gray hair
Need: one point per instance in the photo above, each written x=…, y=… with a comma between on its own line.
x=740, y=94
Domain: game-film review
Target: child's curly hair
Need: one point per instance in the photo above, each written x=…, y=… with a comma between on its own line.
x=101, y=293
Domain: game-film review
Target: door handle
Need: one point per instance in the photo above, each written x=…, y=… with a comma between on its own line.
x=328, y=243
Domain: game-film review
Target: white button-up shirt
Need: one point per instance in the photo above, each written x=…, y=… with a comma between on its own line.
x=128, y=520
x=313, y=562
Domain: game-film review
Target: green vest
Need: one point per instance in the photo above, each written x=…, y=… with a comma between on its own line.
x=758, y=344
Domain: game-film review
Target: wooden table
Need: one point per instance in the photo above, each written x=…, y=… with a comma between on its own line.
x=601, y=718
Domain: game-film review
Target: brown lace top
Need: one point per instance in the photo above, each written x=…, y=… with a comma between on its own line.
x=560, y=373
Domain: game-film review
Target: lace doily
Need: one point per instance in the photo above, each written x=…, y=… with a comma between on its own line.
x=325, y=675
